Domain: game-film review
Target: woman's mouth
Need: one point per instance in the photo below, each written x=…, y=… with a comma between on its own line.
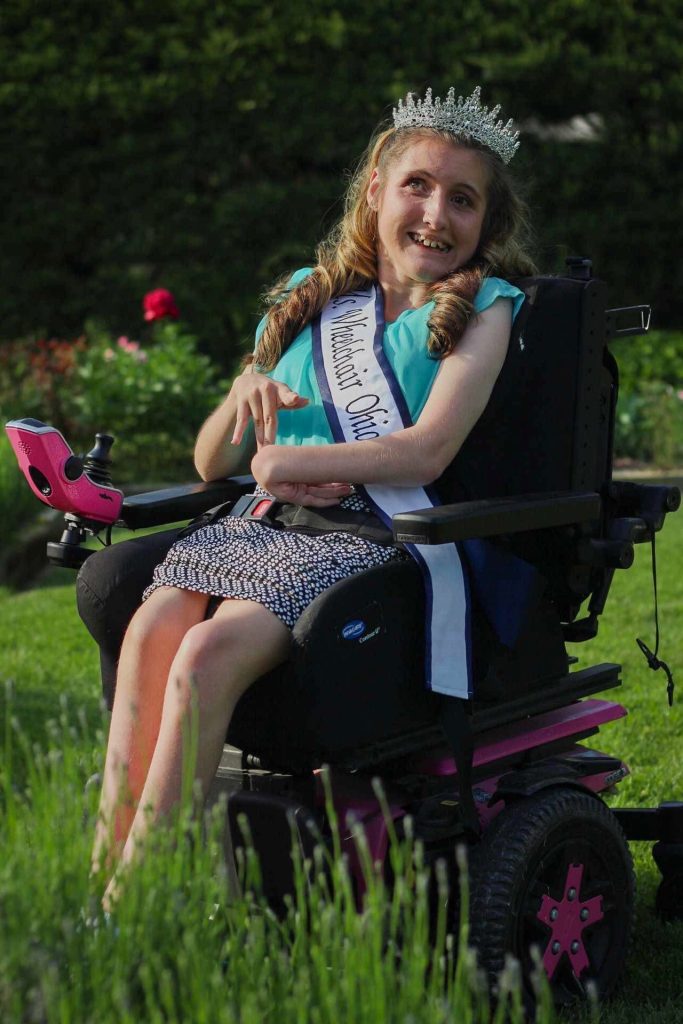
x=429, y=243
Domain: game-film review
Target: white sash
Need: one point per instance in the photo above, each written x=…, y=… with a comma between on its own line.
x=363, y=400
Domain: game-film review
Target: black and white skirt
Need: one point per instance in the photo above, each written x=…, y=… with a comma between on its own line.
x=281, y=569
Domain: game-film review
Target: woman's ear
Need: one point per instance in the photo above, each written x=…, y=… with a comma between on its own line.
x=373, y=190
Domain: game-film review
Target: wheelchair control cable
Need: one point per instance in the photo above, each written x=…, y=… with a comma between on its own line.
x=653, y=661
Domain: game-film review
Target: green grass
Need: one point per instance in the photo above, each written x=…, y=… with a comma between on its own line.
x=169, y=961
x=184, y=949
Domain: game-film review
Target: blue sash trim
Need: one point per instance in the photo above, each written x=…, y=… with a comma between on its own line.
x=323, y=386
x=385, y=365
x=504, y=584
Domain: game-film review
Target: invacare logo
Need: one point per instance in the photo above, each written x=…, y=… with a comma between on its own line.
x=353, y=629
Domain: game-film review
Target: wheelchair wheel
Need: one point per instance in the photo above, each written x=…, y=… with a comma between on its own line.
x=554, y=871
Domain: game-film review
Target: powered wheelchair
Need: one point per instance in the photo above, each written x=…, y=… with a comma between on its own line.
x=506, y=772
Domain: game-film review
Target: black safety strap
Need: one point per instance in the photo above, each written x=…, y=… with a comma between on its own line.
x=455, y=723
x=653, y=661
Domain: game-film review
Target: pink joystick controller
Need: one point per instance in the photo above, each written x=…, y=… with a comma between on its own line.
x=61, y=479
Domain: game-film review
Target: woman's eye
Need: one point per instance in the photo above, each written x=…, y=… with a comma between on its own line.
x=415, y=183
x=461, y=200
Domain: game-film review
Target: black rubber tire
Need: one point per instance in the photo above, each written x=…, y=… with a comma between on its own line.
x=526, y=854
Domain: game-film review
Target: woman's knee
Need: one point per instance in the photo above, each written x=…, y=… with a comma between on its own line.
x=164, y=618
x=207, y=657
x=218, y=659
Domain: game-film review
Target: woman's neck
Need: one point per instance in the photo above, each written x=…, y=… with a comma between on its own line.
x=397, y=300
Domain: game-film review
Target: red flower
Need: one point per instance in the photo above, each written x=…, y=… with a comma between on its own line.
x=158, y=304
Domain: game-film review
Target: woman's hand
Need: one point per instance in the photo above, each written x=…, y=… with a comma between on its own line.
x=259, y=398
x=272, y=470
x=311, y=495
x=224, y=445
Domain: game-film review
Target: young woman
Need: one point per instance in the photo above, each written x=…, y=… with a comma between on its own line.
x=412, y=278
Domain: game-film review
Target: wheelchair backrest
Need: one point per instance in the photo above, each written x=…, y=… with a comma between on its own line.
x=549, y=423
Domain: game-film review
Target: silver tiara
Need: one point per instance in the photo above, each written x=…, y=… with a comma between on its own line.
x=465, y=117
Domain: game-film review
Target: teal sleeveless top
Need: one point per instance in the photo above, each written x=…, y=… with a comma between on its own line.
x=405, y=345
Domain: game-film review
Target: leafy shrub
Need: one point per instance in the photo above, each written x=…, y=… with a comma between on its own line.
x=656, y=356
x=35, y=377
x=152, y=398
x=649, y=424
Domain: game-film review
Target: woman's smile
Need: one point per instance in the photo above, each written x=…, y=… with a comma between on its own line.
x=429, y=243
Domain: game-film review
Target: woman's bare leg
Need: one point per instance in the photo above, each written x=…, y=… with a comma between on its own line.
x=151, y=642
x=215, y=663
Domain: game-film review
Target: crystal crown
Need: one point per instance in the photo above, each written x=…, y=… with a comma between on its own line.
x=467, y=118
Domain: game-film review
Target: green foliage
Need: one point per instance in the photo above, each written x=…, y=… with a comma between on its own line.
x=152, y=397
x=649, y=425
x=205, y=150
x=656, y=356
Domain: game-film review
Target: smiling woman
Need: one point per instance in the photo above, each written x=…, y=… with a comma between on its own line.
x=369, y=371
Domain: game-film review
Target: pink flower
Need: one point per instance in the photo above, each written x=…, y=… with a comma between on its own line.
x=128, y=346
x=679, y=395
x=132, y=348
x=159, y=303
x=109, y=354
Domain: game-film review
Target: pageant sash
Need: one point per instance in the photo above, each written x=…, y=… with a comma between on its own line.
x=362, y=401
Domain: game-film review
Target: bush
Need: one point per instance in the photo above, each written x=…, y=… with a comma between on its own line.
x=656, y=356
x=152, y=398
x=649, y=424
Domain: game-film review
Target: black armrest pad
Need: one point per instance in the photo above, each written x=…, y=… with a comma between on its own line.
x=470, y=519
x=175, y=504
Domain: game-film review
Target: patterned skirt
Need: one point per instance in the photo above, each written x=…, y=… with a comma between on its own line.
x=281, y=569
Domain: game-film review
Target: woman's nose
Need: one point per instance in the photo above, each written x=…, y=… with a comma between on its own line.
x=435, y=210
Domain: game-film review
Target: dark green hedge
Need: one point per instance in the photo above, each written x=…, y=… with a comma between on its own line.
x=201, y=145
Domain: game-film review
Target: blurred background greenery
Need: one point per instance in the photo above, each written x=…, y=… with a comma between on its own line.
x=202, y=146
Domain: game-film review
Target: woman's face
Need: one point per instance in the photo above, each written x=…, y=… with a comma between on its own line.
x=430, y=204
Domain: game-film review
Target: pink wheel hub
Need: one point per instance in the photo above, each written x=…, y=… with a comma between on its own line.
x=567, y=919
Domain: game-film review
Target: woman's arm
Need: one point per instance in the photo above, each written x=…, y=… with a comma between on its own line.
x=410, y=457
x=242, y=423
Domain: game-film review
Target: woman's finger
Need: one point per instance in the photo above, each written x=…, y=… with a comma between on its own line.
x=241, y=422
x=270, y=401
x=332, y=491
x=289, y=399
x=256, y=409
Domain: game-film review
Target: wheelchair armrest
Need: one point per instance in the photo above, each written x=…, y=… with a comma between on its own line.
x=496, y=516
x=174, y=504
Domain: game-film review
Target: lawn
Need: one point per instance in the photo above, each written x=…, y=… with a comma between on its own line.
x=171, y=958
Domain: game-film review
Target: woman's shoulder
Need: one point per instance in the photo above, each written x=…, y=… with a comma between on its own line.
x=294, y=279
x=493, y=288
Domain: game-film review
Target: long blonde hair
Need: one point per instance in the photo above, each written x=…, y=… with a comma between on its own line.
x=347, y=258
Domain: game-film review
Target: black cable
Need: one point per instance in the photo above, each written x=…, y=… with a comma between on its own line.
x=653, y=661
